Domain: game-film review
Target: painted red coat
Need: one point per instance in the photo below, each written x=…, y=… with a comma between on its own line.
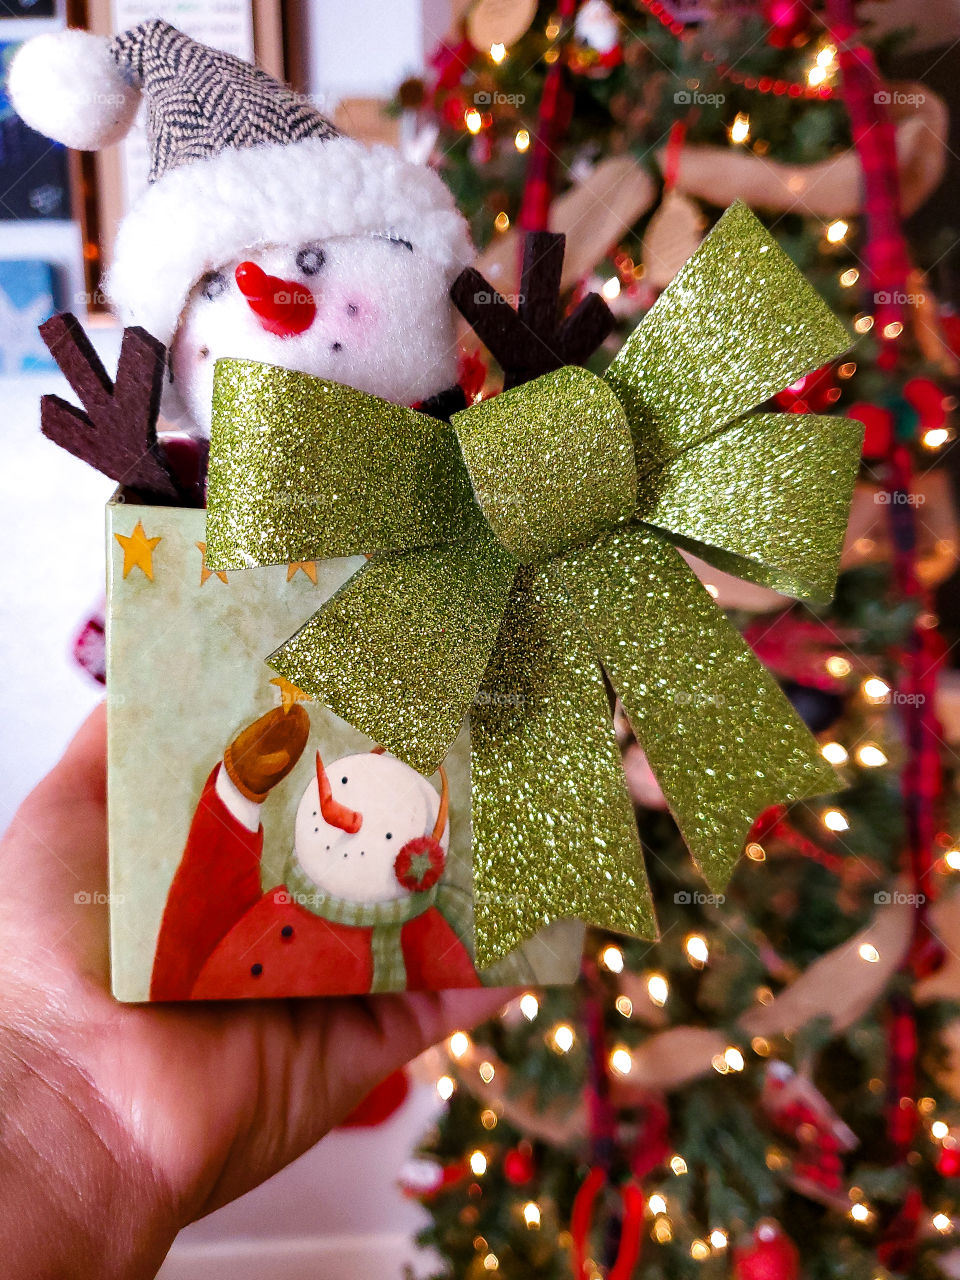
x=223, y=938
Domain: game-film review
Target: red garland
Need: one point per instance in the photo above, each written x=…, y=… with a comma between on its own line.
x=553, y=120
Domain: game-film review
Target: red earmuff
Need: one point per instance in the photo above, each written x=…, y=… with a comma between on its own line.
x=419, y=875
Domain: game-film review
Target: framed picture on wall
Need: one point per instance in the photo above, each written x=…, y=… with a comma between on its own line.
x=113, y=178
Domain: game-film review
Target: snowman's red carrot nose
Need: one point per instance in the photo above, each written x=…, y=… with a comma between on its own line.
x=283, y=307
x=335, y=813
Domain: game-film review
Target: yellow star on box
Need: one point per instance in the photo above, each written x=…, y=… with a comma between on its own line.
x=309, y=567
x=289, y=693
x=137, y=550
x=206, y=573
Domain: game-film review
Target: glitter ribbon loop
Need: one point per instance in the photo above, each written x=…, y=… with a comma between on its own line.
x=526, y=550
x=551, y=462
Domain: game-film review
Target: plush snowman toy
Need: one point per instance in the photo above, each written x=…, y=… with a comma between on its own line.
x=264, y=233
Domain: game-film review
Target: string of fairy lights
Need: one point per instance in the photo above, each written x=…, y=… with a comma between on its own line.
x=561, y=1037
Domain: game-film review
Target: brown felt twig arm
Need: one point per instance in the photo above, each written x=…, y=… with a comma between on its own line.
x=116, y=431
x=532, y=341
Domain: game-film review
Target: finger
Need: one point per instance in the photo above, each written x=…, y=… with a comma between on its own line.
x=370, y=1037
x=81, y=773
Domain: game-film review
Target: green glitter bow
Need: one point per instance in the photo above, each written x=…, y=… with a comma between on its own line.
x=526, y=549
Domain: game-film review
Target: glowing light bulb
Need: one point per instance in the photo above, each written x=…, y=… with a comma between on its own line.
x=521, y=140
x=662, y=1231
x=446, y=1086
x=678, y=1165
x=875, y=689
x=826, y=55
x=657, y=1204
x=611, y=288
x=863, y=324
x=498, y=52
x=478, y=1164
x=838, y=666
x=611, y=958
x=733, y=1058
x=756, y=852
x=859, y=1212
x=837, y=230
x=952, y=859
x=698, y=953
x=870, y=756
x=835, y=820
x=849, y=277
x=939, y=1129
x=487, y=1072
x=658, y=989
x=816, y=75
x=834, y=752
x=621, y=1060
x=935, y=437
x=491, y=1262
x=459, y=1043
x=718, y=1238
x=488, y=1119
x=529, y=1005
x=473, y=120
x=624, y=1006
x=868, y=952
x=942, y=1223
x=502, y=221
x=740, y=129
x=531, y=1214
x=699, y=1249
x=563, y=1038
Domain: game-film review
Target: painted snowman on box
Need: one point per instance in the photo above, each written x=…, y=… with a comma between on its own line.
x=265, y=234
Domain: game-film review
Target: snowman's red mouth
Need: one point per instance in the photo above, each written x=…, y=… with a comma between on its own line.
x=283, y=307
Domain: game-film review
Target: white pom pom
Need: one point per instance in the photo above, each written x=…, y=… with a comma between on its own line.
x=67, y=86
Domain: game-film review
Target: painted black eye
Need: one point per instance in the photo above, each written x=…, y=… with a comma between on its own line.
x=310, y=259
x=343, y=779
x=213, y=284
x=389, y=835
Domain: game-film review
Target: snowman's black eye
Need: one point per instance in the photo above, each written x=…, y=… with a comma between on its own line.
x=310, y=259
x=389, y=835
x=213, y=284
x=399, y=240
x=343, y=779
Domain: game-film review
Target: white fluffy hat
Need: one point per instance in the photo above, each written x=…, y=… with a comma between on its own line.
x=238, y=161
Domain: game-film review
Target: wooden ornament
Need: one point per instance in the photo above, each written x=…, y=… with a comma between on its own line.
x=671, y=237
x=503, y=22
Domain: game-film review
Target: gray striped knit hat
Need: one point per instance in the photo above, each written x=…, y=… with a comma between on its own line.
x=238, y=161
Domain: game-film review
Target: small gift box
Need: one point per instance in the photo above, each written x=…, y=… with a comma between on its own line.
x=360, y=729
x=259, y=845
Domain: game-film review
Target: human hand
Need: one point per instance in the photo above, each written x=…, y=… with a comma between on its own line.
x=122, y=1123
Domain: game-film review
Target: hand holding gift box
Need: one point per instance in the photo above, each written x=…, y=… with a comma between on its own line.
x=515, y=557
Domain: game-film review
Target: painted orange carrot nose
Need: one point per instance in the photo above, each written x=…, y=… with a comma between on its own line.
x=283, y=307
x=335, y=813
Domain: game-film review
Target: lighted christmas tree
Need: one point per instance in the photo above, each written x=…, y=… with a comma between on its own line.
x=765, y=1083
